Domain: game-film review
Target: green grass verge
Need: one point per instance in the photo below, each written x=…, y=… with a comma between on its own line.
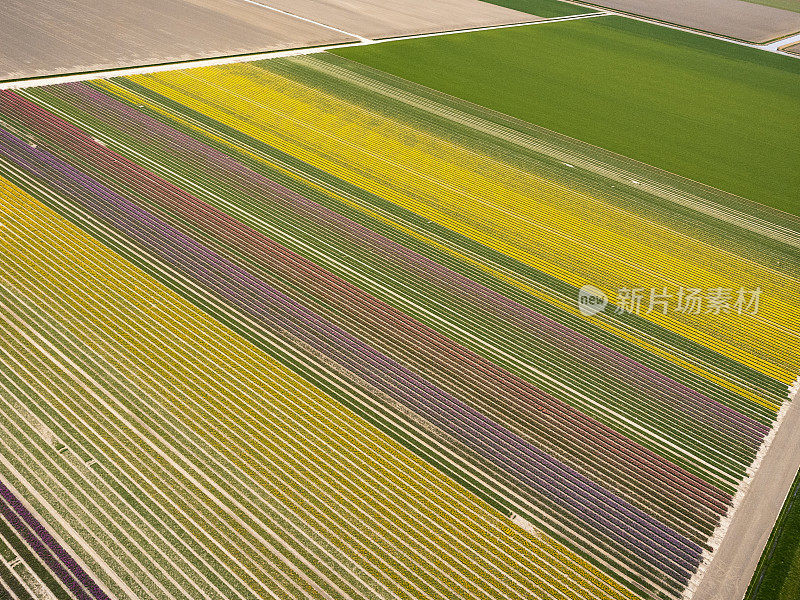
x=777, y=576
x=713, y=111
x=544, y=8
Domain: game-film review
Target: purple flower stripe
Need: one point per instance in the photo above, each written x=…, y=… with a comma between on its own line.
x=189, y=210
x=681, y=397
x=60, y=562
x=188, y=149
x=622, y=522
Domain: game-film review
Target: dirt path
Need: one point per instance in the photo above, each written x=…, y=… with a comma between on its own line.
x=784, y=43
x=729, y=573
x=794, y=48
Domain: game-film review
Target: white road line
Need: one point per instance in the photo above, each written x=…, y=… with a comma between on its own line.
x=773, y=47
x=225, y=60
x=307, y=20
x=783, y=42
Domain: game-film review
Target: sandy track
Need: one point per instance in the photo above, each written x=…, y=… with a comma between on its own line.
x=794, y=48
x=390, y=18
x=45, y=38
x=732, y=18
x=732, y=568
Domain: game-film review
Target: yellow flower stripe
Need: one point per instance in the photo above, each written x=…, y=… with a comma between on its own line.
x=545, y=225
x=129, y=307
x=599, y=320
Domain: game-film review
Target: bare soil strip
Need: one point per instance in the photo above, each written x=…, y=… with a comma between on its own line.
x=734, y=563
x=46, y=38
x=389, y=18
x=733, y=18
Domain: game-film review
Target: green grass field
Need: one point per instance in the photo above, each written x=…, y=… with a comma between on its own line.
x=709, y=110
x=547, y=8
x=777, y=576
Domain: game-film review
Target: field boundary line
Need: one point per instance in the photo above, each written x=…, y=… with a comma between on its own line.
x=774, y=47
x=17, y=84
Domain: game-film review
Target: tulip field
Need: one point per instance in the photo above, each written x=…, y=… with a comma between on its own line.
x=299, y=328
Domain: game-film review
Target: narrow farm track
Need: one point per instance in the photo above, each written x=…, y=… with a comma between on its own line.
x=300, y=329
